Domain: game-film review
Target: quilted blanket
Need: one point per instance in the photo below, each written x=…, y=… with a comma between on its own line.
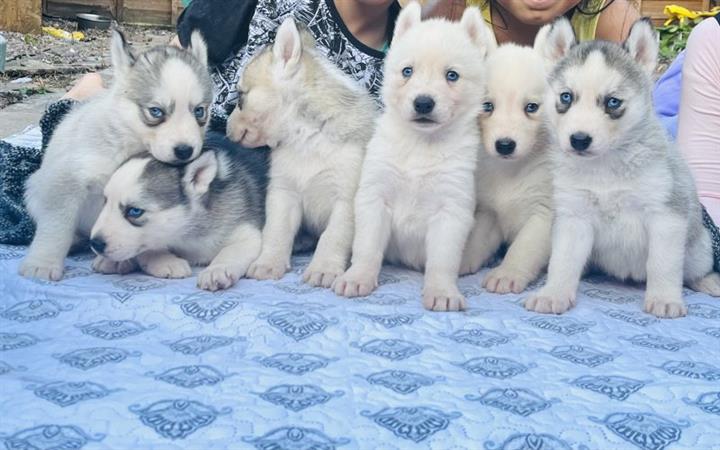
x=134, y=362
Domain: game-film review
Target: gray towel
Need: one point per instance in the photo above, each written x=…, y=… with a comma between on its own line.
x=17, y=163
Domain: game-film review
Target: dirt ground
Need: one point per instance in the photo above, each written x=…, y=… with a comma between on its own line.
x=41, y=64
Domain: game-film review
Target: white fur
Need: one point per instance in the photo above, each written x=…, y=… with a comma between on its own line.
x=416, y=198
x=514, y=192
x=65, y=195
x=317, y=125
x=627, y=204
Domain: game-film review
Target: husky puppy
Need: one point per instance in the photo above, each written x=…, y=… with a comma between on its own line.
x=317, y=122
x=158, y=102
x=514, y=181
x=625, y=201
x=166, y=217
x=416, y=197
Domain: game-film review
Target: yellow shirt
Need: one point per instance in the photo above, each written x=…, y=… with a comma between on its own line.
x=585, y=25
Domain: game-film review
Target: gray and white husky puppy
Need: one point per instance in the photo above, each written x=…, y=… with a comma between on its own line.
x=158, y=102
x=625, y=201
x=166, y=217
x=317, y=122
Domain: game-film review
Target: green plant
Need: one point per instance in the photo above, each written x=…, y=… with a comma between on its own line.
x=673, y=37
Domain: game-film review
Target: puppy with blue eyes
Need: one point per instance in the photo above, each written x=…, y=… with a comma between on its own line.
x=514, y=177
x=165, y=218
x=624, y=199
x=157, y=103
x=416, y=198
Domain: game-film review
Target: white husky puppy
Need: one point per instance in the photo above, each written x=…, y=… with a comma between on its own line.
x=625, y=201
x=514, y=181
x=158, y=102
x=416, y=197
x=317, y=122
x=166, y=217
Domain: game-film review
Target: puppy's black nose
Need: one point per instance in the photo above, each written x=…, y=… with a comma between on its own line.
x=183, y=152
x=97, y=245
x=505, y=146
x=424, y=104
x=580, y=141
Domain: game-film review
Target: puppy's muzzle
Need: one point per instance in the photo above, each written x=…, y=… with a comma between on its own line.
x=423, y=104
x=98, y=245
x=183, y=152
x=505, y=146
x=580, y=141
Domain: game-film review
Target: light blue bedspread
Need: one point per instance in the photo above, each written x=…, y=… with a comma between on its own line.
x=134, y=362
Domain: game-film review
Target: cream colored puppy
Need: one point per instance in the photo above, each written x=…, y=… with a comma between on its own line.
x=514, y=181
x=416, y=197
x=317, y=122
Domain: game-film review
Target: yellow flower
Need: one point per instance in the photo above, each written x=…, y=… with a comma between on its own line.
x=680, y=14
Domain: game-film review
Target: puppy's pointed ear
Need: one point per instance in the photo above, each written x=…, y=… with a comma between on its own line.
x=200, y=173
x=642, y=44
x=480, y=34
x=554, y=40
x=409, y=16
x=120, y=53
x=287, y=48
x=198, y=47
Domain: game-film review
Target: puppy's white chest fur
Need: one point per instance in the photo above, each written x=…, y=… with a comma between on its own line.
x=514, y=191
x=619, y=211
x=320, y=172
x=418, y=180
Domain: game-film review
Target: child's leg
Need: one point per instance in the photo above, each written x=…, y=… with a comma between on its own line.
x=699, y=119
x=87, y=86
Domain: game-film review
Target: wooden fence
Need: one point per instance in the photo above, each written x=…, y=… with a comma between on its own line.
x=25, y=15
x=152, y=12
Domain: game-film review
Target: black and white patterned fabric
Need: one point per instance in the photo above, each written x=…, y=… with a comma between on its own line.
x=360, y=62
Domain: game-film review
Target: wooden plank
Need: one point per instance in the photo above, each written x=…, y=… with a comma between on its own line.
x=24, y=16
x=69, y=8
x=155, y=12
x=177, y=8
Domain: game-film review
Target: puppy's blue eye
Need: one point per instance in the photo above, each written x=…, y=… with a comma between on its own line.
x=532, y=108
x=613, y=103
x=199, y=112
x=488, y=107
x=133, y=213
x=452, y=76
x=566, y=98
x=156, y=113
x=407, y=72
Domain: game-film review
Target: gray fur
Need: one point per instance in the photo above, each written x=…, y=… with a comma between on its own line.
x=235, y=196
x=162, y=184
x=146, y=70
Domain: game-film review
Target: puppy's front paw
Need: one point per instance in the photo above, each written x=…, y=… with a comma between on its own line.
x=504, y=280
x=267, y=269
x=439, y=298
x=355, y=283
x=219, y=276
x=322, y=274
x=107, y=266
x=550, y=302
x=709, y=284
x=665, y=308
x=167, y=266
x=43, y=270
